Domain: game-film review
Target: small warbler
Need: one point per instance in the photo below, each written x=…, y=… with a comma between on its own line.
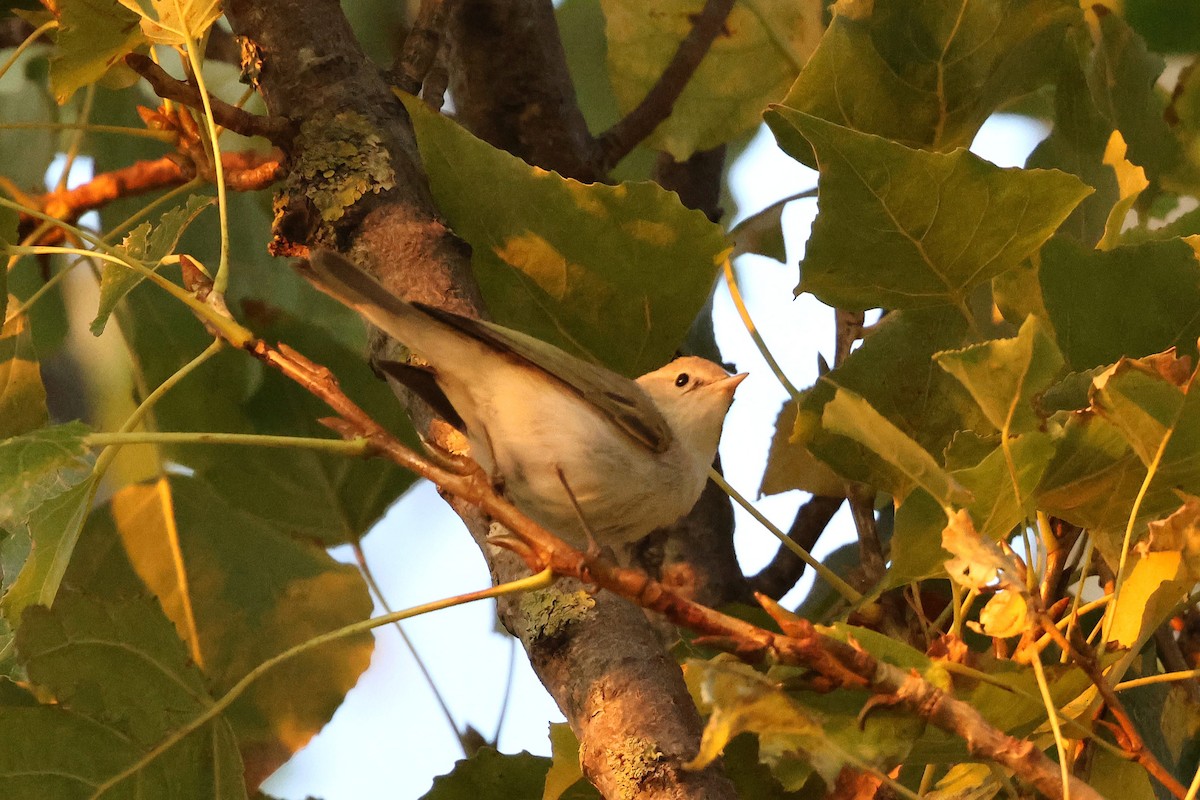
x=634, y=454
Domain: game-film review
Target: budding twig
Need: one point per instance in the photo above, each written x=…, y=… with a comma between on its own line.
x=277, y=130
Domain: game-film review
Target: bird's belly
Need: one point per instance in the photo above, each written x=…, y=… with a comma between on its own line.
x=623, y=491
x=523, y=434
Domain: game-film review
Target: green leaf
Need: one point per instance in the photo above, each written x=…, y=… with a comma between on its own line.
x=45, y=487
x=329, y=498
x=240, y=592
x=581, y=28
x=901, y=70
x=1005, y=376
x=902, y=228
x=93, y=37
x=117, y=662
x=22, y=395
x=753, y=60
x=1121, y=74
x=852, y=416
x=1076, y=145
x=1167, y=26
x=39, y=465
x=894, y=371
x=995, y=507
x=53, y=529
x=146, y=245
x=489, y=775
x=1093, y=479
x=48, y=753
x=118, y=666
x=1150, y=401
x=1128, y=301
x=610, y=273
x=1112, y=776
x=8, y=235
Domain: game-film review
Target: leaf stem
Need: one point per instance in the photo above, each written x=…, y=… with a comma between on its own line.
x=23, y=46
x=236, y=334
x=221, y=281
x=538, y=581
x=1052, y=717
x=347, y=447
x=847, y=591
x=736, y=294
x=1119, y=581
x=142, y=133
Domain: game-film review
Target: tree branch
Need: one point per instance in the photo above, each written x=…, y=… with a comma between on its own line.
x=277, y=130
x=245, y=171
x=421, y=46
x=511, y=85
x=617, y=142
x=778, y=577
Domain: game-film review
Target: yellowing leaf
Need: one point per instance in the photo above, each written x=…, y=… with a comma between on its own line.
x=1131, y=180
x=145, y=518
x=22, y=395
x=614, y=274
x=1005, y=615
x=175, y=22
x=742, y=700
x=94, y=36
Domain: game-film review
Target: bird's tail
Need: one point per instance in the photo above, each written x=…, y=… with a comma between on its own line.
x=353, y=286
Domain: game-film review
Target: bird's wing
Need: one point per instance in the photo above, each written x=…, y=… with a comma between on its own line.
x=618, y=398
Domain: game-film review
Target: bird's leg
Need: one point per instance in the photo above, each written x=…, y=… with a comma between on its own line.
x=594, y=549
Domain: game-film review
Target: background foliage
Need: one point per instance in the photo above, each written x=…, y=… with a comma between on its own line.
x=1028, y=384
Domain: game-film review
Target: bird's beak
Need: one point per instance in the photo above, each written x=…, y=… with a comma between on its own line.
x=728, y=385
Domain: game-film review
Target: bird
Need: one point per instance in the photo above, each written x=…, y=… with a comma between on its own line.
x=594, y=457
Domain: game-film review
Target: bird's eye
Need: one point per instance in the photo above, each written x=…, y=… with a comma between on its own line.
x=682, y=380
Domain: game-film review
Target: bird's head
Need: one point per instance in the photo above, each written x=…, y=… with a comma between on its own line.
x=693, y=395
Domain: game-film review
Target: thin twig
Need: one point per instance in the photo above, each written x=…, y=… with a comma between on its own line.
x=245, y=171
x=1085, y=658
x=278, y=130
x=617, y=142
x=361, y=557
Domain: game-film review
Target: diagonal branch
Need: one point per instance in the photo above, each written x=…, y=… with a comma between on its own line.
x=617, y=142
x=778, y=577
x=277, y=130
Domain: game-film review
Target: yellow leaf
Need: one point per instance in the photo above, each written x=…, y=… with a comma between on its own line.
x=1131, y=180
